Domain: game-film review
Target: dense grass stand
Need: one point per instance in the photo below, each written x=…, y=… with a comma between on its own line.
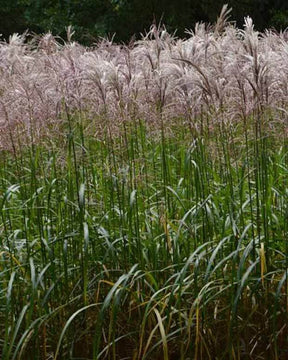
x=143, y=197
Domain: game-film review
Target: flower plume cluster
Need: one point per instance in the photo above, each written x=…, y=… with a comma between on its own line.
x=222, y=70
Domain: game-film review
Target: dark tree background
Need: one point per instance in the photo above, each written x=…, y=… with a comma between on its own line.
x=94, y=18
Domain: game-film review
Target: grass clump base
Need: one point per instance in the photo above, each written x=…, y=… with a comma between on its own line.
x=144, y=247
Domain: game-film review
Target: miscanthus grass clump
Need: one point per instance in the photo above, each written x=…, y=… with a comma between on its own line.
x=144, y=197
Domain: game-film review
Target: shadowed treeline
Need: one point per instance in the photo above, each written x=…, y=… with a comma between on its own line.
x=93, y=18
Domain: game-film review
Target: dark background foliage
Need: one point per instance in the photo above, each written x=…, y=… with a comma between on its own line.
x=94, y=18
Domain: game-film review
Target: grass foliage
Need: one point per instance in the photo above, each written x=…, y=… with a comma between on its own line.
x=143, y=197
